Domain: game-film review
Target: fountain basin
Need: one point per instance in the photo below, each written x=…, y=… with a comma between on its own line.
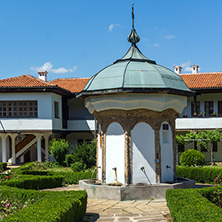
x=132, y=191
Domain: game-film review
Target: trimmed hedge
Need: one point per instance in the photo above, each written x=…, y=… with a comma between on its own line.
x=74, y=177
x=52, y=206
x=189, y=205
x=3, y=166
x=199, y=174
x=35, y=182
x=69, y=177
x=21, y=194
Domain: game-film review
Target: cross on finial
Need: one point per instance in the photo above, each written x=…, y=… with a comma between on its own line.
x=133, y=16
x=133, y=37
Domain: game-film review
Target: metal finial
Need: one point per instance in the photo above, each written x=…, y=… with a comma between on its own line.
x=133, y=37
x=132, y=16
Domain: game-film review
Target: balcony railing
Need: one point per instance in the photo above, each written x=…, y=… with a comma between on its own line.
x=199, y=115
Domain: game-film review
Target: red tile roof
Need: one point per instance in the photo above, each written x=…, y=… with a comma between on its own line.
x=74, y=85
x=203, y=80
x=24, y=81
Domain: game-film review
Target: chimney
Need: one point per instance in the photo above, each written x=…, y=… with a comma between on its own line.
x=43, y=75
x=194, y=69
x=177, y=69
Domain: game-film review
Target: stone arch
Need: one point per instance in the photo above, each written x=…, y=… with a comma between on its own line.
x=99, y=153
x=114, y=153
x=167, y=153
x=143, y=154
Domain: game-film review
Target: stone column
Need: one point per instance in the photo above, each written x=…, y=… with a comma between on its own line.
x=158, y=156
x=128, y=160
x=39, y=151
x=47, y=146
x=13, y=136
x=4, y=154
x=103, y=140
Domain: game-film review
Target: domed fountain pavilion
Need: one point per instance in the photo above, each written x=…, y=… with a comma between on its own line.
x=135, y=102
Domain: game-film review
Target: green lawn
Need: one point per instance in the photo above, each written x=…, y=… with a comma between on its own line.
x=60, y=169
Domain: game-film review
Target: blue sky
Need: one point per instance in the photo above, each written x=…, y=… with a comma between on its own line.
x=72, y=38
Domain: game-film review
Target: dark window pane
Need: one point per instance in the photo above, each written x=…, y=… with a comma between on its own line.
x=181, y=148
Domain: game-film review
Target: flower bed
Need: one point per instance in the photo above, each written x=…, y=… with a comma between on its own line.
x=47, y=206
x=41, y=169
x=191, y=205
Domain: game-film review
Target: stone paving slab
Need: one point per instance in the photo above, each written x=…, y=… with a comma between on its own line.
x=101, y=210
x=134, y=211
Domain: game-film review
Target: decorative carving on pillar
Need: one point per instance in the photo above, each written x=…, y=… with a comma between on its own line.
x=103, y=157
x=127, y=157
x=158, y=156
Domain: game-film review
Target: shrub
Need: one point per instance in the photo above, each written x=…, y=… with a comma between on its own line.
x=35, y=182
x=58, y=149
x=52, y=206
x=3, y=167
x=74, y=177
x=85, y=153
x=192, y=158
x=189, y=205
x=78, y=166
x=69, y=159
x=199, y=174
x=69, y=177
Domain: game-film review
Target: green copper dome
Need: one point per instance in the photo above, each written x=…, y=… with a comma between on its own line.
x=135, y=73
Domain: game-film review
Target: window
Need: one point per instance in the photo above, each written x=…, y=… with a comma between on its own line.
x=56, y=109
x=203, y=149
x=18, y=109
x=33, y=109
x=12, y=109
x=22, y=109
x=3, y=110
x=214, y=146
x=195, y=145
x=181, y=148
x=197, y=108
x=219, y=108
x=209, y=108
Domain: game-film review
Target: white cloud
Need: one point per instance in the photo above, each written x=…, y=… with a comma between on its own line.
x=170, y=36
x=156, y=45
x=111, y=27
x=186, y=66
x=48, y=67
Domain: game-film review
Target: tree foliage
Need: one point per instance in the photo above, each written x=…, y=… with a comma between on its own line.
x=83, y=156
x=203, y=139
x=58, y=149
x=192, y=158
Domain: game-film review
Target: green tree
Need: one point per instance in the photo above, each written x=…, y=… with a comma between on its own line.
x=85, y=154
x=206, y=138
x=203, y=138
x=58, y=149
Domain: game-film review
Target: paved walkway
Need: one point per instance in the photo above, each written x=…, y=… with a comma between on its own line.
x=123, y=211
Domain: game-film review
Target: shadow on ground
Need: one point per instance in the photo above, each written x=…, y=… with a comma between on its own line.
x=91, y=217
x=202, y=185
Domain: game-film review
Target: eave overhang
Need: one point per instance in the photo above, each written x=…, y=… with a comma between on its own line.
x=85, y=94
x=53, y=89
